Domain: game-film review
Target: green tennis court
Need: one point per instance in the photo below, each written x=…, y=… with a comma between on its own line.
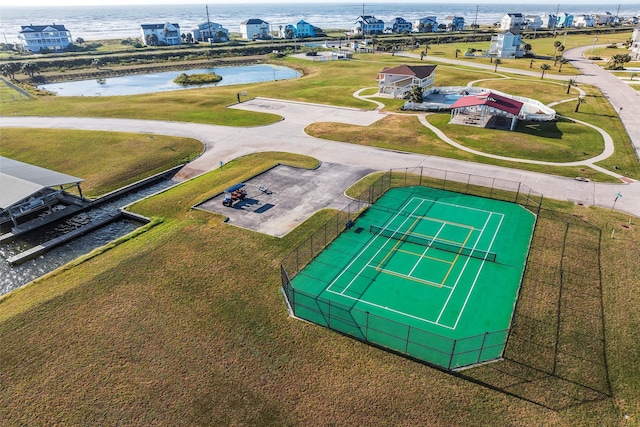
x=425, y=272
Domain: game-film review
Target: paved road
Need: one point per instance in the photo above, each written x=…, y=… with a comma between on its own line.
x=225, y=143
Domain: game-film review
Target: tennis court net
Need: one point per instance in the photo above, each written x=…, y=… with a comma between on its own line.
x=432, y=243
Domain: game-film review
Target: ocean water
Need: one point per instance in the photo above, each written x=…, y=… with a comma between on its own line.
x=112, y=22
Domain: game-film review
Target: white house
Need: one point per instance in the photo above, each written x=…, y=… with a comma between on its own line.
x=635, y=44
x=368, y=24
x=53, y=37
x=166, y=34
x=210, y=32
x=427, y=24
x=398, y=81
x=506, y=45
x=511, y=20
x=532, y=22
x=255, y=28
x=581, y=21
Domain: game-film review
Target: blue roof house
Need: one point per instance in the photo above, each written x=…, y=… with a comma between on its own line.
x=304, y=29
x=399, y=26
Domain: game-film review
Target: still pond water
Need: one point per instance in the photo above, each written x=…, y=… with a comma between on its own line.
x=163, y=82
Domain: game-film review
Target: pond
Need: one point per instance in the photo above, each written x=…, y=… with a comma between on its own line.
x=163, y=82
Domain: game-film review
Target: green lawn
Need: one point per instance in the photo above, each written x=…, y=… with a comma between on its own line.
x=185, y=325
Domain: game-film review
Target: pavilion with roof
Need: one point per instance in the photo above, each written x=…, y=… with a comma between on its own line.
x=486, y=110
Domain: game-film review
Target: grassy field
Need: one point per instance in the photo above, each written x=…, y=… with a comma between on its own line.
x=334, y=82
x=543, y=48
x=131, y=157
x=185, y=325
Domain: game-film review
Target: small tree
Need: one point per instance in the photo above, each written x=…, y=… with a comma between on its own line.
x=458, y=51
x=96, y=63
x=497, y=62
x=556, y=45
x=10, y=69
x=544, y=68
x=563, y=61
x=415, y=94
x=571, y=82
x=616, y=62
x=30, y=68
x=527, y=48
x=579, y=102
x=79, y=40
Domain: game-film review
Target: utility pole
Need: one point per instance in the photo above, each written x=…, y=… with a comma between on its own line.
x=475, y=21
x=209, y=26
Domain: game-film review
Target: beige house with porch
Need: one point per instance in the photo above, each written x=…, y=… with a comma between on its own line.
x=398, y=81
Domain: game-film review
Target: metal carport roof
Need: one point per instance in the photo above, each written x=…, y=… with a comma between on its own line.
x=20, y=180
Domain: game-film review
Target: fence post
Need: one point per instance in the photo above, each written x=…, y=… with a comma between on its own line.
x=518, y=192
x=444, y=181
x=420, y=180
x=493, y=183
x=329, y=313
x=453, y=351
x=466, y=191
x=406, y=347
x=484, y=339
x=366, y=327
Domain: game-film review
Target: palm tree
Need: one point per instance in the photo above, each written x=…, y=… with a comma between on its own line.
x=11, y=68
x=426, y=48
x=527, y=48
x=96, y=63
x=531, y=63
x=498, y=61
x=556, y=44
x=563, y=61
x=580, y=101
x=544, y=67
x=457, y=52
x=30, y=68
x=571, y=82
x=415, y=94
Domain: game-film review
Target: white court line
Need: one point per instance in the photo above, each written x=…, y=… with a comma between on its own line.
x=390, y=309
x=357, y=257
x=426, y=249
x=464, y=267
x=475, y=280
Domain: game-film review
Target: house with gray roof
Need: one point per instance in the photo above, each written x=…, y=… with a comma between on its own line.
x=166, y=34
x=367, y=25
x=35, y=38
x=255, y=29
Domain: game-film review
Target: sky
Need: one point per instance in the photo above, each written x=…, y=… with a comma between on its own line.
x=34, y=3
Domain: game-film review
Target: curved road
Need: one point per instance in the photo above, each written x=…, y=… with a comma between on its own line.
x=225, y=143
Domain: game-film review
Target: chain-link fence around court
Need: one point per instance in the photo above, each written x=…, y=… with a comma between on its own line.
x=377, y=329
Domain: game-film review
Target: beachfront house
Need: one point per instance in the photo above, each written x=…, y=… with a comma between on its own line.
x=398, y=81
x=582, y=21
x=166, y=34
x=601, y=19
x=367, y=24
x=35, y=38
x=532, y=22
x=300, y=30
x=635, y=44
x=454, y=23
x=304, y=29
x=507, y=44
x=399, y=26
x=428, y=24
x=210, y=32
x=564, y=20
x=255, y=29
x=511, y=20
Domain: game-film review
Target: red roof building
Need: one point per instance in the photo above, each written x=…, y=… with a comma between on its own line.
x=478, y=109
